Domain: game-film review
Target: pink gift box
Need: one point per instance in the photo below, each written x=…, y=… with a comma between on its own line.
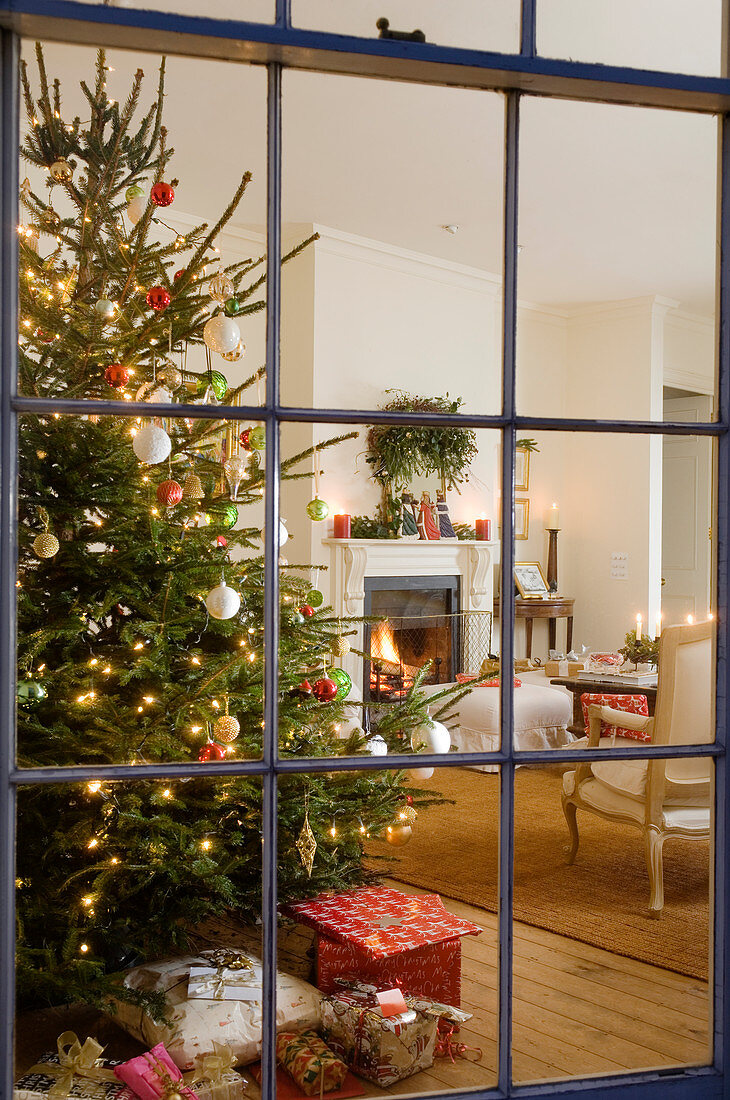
x=387, y=938
x=146, y=1074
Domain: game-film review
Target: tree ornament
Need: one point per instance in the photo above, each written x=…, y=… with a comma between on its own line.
x=340, y=647
x=296, y=618
x=377, y=746
x=325, y=689
x=170, y=376
x=315, y=597
x=179, y=274
x=152, y=444
x=220, y=540
x=343, y=681
x=420, y=774
x=432, y=737
x=162, y=194
x=154, y=391
x=317, y=509
x=306, y=611
x=226, y=728
x=407, y=815
x=105, y=308
x=217, y=382
x=306, y=843
x=136, y=207
x=221, y=334
x=245, y=440
x=283, y=533
x=29, y=691
x=193, y=488
x=116, y=375
x=231, y=307
x=133, y=191
x=257, y=438
x=210, y=751
x=238, y=353
x=61, y=171
x=398, y=835
x=50, y=220
x=230, y=518
x=223, y=602
x=169, y=493
x=158, y=298
x=220, y=287
x=200, y=519
x=302, y=690
x=46, y=545
x=235, y=470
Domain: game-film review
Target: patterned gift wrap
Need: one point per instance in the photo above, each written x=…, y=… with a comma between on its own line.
x=388, y=938
x=310, y=1062
x=47, y=1072
x=382, y=1049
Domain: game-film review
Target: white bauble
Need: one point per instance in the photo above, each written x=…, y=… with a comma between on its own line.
x=136, y=208
x=347, y=727
x=419, y=774
x=283, y=533
x=152, y=444
x=222, y=602
x=377, y=746
x=153, y=391
x=432, y=736
x=221, y=333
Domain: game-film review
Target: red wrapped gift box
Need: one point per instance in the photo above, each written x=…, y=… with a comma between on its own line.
x=387, y=938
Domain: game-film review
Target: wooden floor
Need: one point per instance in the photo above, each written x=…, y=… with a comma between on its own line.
x=578, y=1010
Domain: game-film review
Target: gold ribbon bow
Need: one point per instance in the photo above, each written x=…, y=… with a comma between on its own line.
x=212, y=1066
x=222, y=961
x=76, y=1059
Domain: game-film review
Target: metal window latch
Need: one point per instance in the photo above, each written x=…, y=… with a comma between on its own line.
x=383, y=26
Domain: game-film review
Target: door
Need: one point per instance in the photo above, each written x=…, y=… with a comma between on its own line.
x=686, y=512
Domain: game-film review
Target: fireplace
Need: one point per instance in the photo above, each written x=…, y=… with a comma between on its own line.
x=420, y=624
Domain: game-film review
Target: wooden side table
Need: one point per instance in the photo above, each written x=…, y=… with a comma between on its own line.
x=559, y=607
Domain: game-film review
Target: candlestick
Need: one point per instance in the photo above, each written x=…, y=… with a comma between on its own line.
x=552, y=561
x=638, y=628
x=552, y=518
x=483, y=527
x=342, y=527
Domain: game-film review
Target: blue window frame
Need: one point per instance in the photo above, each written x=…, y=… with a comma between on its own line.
x=279, y=45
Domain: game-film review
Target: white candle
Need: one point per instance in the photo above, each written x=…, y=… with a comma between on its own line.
x=658, y=630
x=552, y=520
x=690, y=619
x=638, y=628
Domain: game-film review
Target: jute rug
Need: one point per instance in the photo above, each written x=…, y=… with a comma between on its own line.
x=601, y=900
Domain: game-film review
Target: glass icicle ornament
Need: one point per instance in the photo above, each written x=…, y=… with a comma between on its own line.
x=306, y=843
x=235, y=470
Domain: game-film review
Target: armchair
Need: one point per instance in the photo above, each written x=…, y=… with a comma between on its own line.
x=662, y=798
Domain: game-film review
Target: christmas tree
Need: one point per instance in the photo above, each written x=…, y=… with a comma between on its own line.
x=140, y=586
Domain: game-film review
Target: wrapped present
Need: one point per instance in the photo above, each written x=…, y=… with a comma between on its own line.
x=310, y=1062
x=214, y=1077
x=226, y=975
x=153, y=1074
x=383, y=1049
x=388, y=938
x=74, y=1070
x=563, y=668
x=192, y=1025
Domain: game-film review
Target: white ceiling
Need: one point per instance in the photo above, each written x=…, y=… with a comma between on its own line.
x=614, y=202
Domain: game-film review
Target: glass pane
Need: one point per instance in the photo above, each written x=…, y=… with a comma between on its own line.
x=116, y=901
x=600, y=987
x=388, y=587
x=429, y=918
x=494, y=26
x=140, y=593
x=134, y=287
x=617, y=260
x=254, y=11
x=401, y=289
x=656, y=34
x=619, y=544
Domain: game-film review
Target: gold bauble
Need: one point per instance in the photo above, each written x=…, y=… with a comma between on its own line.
x=220, y=287
x=61, y=171
x=407, y=815
x=226, y=729
x=46, y=545
x=340, y=647
x=398, y=835
x=237, y=353
x=193, y=488
x=170, y=375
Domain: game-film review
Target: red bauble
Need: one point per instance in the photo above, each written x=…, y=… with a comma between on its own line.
x=306, y=611
x=162, y=194
x=221, y=541
x=169, y=492
x=211, y=751
x=158, y=298
x=46, y=337
x=245, y=440
x=325, y=689
x=116, y=375
x=409, y=799
x=179, y=274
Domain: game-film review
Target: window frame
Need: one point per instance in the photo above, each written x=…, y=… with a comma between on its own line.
x=279, y=45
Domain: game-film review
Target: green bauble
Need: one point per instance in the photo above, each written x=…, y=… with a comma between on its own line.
x=297, y=618
x=133, y=191
x=343, y=681
x=29, y=691
x=257, y=437
x=315, y=598
x=232, y=307
x=218, y=381
x=230, y=517
x=317, y=509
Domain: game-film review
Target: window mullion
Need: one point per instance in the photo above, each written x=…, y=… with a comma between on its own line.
x=528, y=29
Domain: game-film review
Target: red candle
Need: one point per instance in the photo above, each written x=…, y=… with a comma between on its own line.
x=342, y=527
x=483, y=529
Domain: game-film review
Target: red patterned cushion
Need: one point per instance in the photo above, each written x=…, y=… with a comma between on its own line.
x=632, y=704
